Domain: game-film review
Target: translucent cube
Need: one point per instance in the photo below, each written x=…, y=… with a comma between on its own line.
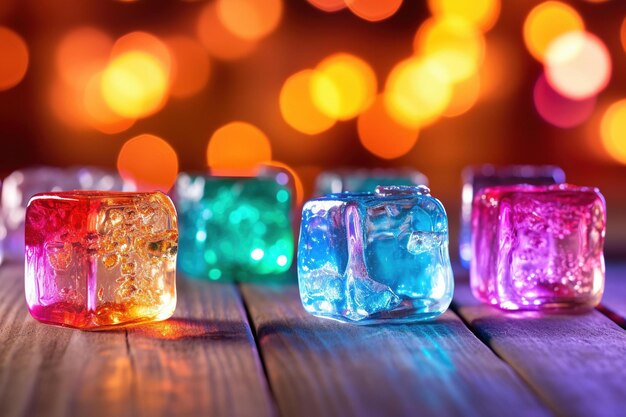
x=234, y=227
x=96, y=260
x=375, y=257
x=365, y=180
x=538, y=247
x=475, y=178
x=21, y=185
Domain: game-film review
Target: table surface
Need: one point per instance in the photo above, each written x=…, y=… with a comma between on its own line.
x=251, y=350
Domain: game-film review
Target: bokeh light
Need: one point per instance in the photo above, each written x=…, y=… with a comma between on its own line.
x=297, y=107
x=374, y=10
x=143, y=42
x=558, y=110
x=13, y=58
x=381, y=135
x=457, y=44
x=250, y=19
x=81, y=53
x=343, y=85
x=613, y=131
x=99, y=114
x=623, y=34
x=148, y=161
x=217, y=39
x=135, y=84
x=546, y=22
x=417, y=92
x=329, y=5
x=465, y=94
x=237, y=149
x=578, y=65
x=481, y=13
x=191, y=66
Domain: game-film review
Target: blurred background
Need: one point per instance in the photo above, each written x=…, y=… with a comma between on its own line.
x=152, y=88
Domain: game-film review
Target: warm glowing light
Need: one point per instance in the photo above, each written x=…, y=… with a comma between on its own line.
x=343, y=86
x=374, y=10
x=143, y=42
x=328, y=5
x=502, y=70
x=217, y=39
x=99, y=114
x=623, y=33
x=464, y=96
x=578, y=65
x=481, y=13
x=250, y=19
x=67, y=106
x=297, y=107
x=558, y=110
x=237, y=149
x=381, y=135
x=82, y=53
x=613, y=131
x=457, y=44
x=295, y=178
x=546, y=22
x=149, y=161
x=417, y=92
x=190, y=66
x=13, y=58
x=134, y=84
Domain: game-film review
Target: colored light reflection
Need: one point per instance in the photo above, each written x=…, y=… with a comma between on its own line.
x=81, y=53
x=457, y=44
x=613, y=131
x=297, y=106
x=295, y=178
x=381, y=135
x=343, y=86
x=191, y=66
x=148, y=161
x=546, y=22
x=217, y=39
x=237, y=149
x=481, y=13
x=417, y=92
x=13, y=58
x=135, y=84
x=329, y=5
x=464, y=96
x=374, y=10
x=559, y=110
x=578, y=65
x=250, y=19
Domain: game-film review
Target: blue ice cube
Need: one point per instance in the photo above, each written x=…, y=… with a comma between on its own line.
x=375, y=257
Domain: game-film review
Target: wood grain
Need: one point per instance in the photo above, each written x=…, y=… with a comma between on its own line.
x=318, y=367
x=202, y=362
x=574, y=362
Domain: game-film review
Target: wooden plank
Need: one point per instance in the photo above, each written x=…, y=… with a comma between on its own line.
x=574, y=362
x=614, y=298
x=202, y=362
x=319, y=367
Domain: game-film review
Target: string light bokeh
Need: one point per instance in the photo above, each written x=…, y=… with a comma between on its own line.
x=310, y=85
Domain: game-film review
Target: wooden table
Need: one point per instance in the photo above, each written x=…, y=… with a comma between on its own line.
x=251, y=350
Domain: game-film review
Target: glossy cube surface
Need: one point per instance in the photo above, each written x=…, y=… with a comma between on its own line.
x=22, y=184
x=234, y=227
x=365, y=180
x=375, y=257
x=96, y=260
x=538, y=247
x=476, y=178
